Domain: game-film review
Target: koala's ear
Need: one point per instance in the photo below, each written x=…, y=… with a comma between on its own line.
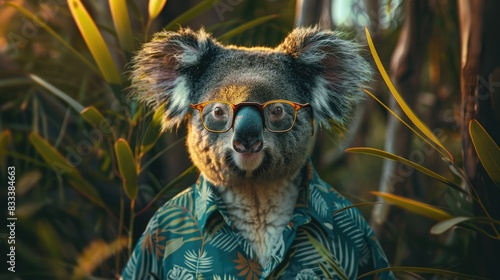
x=332, y=70
x=163, y=71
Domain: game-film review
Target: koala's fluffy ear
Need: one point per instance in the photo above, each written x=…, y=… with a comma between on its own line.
x=332, y=70
x=163, y=71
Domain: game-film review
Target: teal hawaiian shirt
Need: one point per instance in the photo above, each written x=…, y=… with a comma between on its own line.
x=191, y=237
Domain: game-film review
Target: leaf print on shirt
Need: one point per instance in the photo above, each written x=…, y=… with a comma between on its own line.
x=318, y=203
x=247, y=267
x=179, y=273
x=198, y=262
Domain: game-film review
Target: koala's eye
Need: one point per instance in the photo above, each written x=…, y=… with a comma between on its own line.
x=277, y=111
x=218, y=111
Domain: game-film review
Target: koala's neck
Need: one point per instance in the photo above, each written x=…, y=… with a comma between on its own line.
x=260, y=211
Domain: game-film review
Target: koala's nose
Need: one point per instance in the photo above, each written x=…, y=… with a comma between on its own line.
x=248, y=129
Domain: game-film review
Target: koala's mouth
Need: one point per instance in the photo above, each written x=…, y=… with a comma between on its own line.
x=247, y=164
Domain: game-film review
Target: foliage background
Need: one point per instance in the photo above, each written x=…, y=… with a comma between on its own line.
x=79, y=221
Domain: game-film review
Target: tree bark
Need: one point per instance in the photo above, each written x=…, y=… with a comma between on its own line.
x=405, y=69
x=480, y=43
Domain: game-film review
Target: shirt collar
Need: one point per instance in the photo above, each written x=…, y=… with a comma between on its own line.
x=208, y=198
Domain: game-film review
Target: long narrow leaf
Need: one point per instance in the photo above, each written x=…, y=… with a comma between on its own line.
x=92, y=115
x=58, y=163
x=57, y=92
x=121, y=20
x=191, y=13
x=325, y=254
x=445, y=225
x=387, y=155
x=486, y=149
x=127, y=168
x=246, y=26
x=95, y=42
x=153, y=131
x=155, y=7
x=415, y=206
x=432, y=144
x=47, y=28
x=406, y=109
x=421, y=270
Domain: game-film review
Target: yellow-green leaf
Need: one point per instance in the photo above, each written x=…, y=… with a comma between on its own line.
x=127, y=168
x=92, y=116
x=326, y=255
x=155, y=7
x=246, y=26
x=445, y=225
x=121, y=20
x=58, y=163
x=95, y=42
x=387, y=155
x=406, y=109
x=191, y=13
x=486, y=149
x=153, y=131
x=415, y=206
x=5, y=142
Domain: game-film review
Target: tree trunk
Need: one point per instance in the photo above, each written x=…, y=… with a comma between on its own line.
x=480, y=43
x=406, y=66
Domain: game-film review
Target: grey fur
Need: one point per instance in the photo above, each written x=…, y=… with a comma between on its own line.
x=311, y=66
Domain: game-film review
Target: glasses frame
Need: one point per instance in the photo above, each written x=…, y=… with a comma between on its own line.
x=296, y=106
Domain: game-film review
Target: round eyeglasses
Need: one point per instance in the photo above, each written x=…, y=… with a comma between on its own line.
x=277, y=115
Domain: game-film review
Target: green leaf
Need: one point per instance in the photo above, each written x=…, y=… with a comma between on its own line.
x=387, y=155
x=486, y=149
x=121, y=20
x=92, y=116
x=406, y=109
x=445, y=225
x=415, y=206
x=155, y=7
x=246, y=26
x=57, y=92
x=5, y=142
x=153, y=131
x=421, y=270
x=58, y=163
x=127, y=168
x=325, y=254
x=49, y=30
x=95, y=42
x=191, y=13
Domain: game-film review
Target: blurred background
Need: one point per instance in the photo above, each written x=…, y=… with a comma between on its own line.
x=91, y=167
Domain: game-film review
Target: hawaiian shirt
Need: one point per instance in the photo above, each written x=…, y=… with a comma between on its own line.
x=192, y=237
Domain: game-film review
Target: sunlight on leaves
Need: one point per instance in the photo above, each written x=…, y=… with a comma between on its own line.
x=121, y=20
x=95, y=42
x=155, y=7
x=406, y=109
x=446, y=225
x=486, y=149
x=153, y=131
x=57, y=92
x=414, y=206
x=127, y=168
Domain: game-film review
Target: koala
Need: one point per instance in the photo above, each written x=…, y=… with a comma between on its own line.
x=252, y=115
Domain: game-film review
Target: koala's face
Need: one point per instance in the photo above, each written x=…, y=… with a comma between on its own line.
x=232, y=140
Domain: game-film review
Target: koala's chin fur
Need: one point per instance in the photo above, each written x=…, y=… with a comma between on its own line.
x=311, y=66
